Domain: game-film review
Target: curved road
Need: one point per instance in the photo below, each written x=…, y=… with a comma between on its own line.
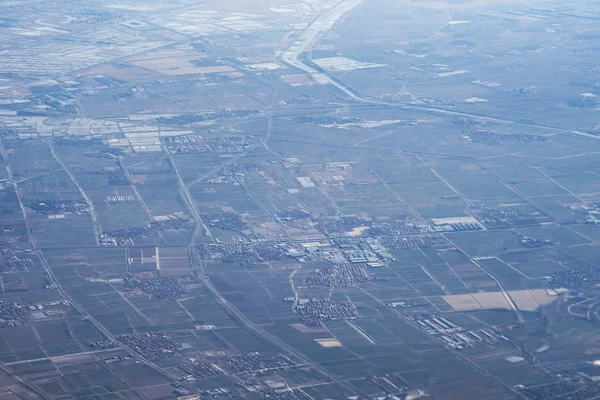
x=325, y=21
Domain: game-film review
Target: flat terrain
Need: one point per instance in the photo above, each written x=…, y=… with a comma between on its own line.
x=294, y=200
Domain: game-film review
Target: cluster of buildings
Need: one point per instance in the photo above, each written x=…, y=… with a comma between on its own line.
x=228, y=144
x=456, y=224
x=246, y=253
x=493, y=139
x=273, y=388
x=242, y=169
x=200, y=144
x=119, y=199
x=127, y=237
x=10, y=132
x=96, y=147
x=185, y=144
x=218, y=393
x=507, y=216
x=369, y=252
x=286, y=394
x=340, y=226
x=10, y=261
x=257, y=362
x=325, y=310
x=150, y=346
x=585, y=278
x=195, y=369
x=327, y=120
x=571, y=390
x=227, y=221
x=402, y=227
x=12, y=314
x=412, y=241
x=592, y=211
x=337, y=276
x=451, y=334
x=536, y=243
x=363, y=257
x=60, y=207
x=408, y=304
x=160, y=287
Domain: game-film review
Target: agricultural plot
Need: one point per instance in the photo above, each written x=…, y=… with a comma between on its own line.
x=156, y=182
x=250, y=200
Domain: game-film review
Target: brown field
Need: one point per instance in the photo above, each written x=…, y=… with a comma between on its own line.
x=492, y=300
x=526, y=300
x=329, y=342
x=462, y=302
x=298, y=80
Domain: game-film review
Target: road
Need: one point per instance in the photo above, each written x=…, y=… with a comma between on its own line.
x=97, y=324
x=309, y=37
x=198, y=271
x=135, y=189
x=11, y=179
x=230, y=308
x=326, y=21
x=24, y=383
x=505, y=293
x=307, y=40
x=53, y=279
x=257, y=331
x=95, y=222
x=189, y=201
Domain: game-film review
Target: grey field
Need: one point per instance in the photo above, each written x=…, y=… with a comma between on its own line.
x=299, y=199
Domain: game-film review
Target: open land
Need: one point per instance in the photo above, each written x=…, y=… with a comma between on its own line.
x=355, y=199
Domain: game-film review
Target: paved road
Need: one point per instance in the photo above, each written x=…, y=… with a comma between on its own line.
x=97, y=324
x=189, y=201
x=259, y=332
x=309, y=37
x=327, y=20
x=230, y=308
x=95, y=221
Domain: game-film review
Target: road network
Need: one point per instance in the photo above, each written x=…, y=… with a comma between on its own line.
x=325, y=22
